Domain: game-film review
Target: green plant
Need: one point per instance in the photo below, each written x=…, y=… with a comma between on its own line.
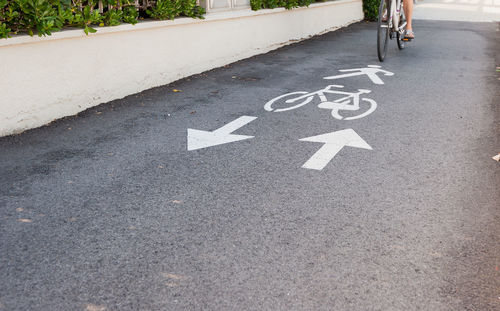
x=370, y=8
x=164, y=9
x=189, y=8
x=4, y=31
x=86, y=18
x=46, y=16
x=35, y=15
x=256, y=4
x=113, y=17
x=168, y=9
x=271, y=4
x=130, y=15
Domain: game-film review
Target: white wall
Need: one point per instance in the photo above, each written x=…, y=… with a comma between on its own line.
x=43, y=79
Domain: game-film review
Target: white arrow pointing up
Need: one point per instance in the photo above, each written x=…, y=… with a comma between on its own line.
x=202, y=139
x=333, y=143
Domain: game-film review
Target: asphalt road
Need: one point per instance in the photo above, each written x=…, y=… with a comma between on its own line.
x=109, y=210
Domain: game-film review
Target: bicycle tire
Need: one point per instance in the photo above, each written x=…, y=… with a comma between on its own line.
x=383, y=29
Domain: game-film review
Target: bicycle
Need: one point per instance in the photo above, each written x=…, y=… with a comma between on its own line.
x=349, y=102
x=391, y=22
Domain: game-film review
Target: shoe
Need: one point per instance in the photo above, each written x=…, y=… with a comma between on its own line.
x=409, y=35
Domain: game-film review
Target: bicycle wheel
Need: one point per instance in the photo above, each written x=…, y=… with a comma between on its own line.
x=402, y=22
x=383, y=28
x=280, y=104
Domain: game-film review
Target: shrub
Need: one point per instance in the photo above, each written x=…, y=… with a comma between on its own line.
x=45, y=16
x=271, y=4
x=370, y=8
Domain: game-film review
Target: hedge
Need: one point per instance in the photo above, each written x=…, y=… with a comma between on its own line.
x=271, y=4
x=46, y=16
x=370, y=8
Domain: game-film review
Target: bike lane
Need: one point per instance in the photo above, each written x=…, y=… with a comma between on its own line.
x=202, y=195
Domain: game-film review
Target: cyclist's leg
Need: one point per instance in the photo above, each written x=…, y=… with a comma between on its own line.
x=385, y=13
x=408, y=8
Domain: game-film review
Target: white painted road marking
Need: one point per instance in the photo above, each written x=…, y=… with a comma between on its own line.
x=349, y=101
x=333, y=143
x=370, y=71
x=198, y=139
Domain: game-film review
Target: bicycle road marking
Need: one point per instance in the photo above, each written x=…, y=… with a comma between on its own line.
x=349, y=102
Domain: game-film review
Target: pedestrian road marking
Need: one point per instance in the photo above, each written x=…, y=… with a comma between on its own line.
x=370, y=71
x=198, y=139
x=333, y=143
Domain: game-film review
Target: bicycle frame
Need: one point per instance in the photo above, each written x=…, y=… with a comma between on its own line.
x=396, y=7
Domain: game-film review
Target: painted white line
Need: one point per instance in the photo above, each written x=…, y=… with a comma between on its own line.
x=333, y=143
x=197, y=139
x=371, y=72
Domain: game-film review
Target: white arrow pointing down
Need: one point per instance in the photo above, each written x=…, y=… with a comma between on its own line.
x=198, y=139
x=333, y=143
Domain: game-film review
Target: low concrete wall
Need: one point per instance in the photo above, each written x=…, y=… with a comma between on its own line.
x=43, y=79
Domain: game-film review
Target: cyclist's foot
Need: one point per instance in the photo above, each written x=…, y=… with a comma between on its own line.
x=409, y=35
